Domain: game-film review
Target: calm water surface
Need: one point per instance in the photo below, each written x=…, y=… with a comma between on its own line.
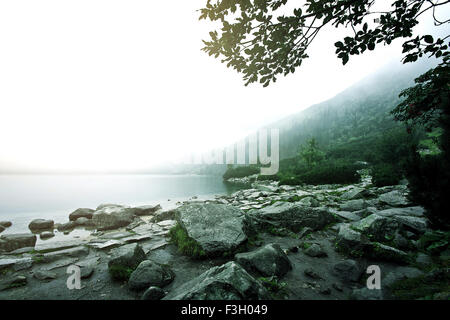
x=27, y=197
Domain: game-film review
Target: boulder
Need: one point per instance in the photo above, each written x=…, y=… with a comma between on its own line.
x=315, y=250
x=2, y=229
x=394, y=198
x=383, y=252
x=146, y=210
x=41, y=224
x=309, y=202
x=163, y=215
x=83, y=221
x=81, y=213
x=11, y=242
x=348, y=270
x=354, y=193
x=66, y=226
x=408, y=211
x=353, y=205
x=149, y=273
x=44, y=274
x=377, y=227
x=5, y=224
x=349, y=240
x=217, y=228
x=121, y=266
x=226, y=282
x=153, y=293
x=269, y=260
x=292, y=216
x=112, y=217
x=418, y=224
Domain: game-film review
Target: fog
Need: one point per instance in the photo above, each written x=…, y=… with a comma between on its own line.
x=119, y=85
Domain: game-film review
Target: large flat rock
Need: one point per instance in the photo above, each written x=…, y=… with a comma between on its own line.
x=216, y=228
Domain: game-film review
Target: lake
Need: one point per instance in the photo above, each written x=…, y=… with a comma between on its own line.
x=27, y=197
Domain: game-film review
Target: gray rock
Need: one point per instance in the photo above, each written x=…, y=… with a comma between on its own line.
x=311, y=273
x=366, y=294
x=394, y=198
x=309, y=202
x=11, y=242
x=381, y=251
x=379, y=228
x=66, y=226
x=408, y=211
x=44, y=275
x=347, y=215
x=355, y=193
x=217, y=228
x=269, y=260
x=292, y=216
x=86, y=272
x=13, y=282
x=163, y=215
x=5, y=224
x=153, y=293
x=146, y=210
x=112, y=217
x=417, y=224
x=41, y=224
x=315, y=250
x=226, y=282
x=400, y=273
x=353, y=205
x=2, y=229
x=16, y=264
x=349, y=240
x=121, y=266
x=150, y=273
x=348, y=270
x=82, y=221
x=81, y=213
x=46, y=235
x=305, y=231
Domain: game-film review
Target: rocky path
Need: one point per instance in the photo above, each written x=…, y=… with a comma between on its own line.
x=265, y=242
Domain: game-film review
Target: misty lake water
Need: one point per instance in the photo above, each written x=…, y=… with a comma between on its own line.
x=27, y=197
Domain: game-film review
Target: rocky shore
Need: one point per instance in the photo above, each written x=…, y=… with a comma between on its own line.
x=264, y=242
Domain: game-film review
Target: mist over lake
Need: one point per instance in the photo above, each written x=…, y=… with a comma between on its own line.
x=27, y=197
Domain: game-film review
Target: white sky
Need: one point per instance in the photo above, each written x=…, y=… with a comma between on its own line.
x=112, y=85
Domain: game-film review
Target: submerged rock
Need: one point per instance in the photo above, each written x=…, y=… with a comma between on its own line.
x=315, y=250
x=217, y=228
x=41, y=224
x=269, y=260
x=226, y=282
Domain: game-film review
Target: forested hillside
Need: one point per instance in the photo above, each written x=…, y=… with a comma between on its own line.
x=354, y=116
